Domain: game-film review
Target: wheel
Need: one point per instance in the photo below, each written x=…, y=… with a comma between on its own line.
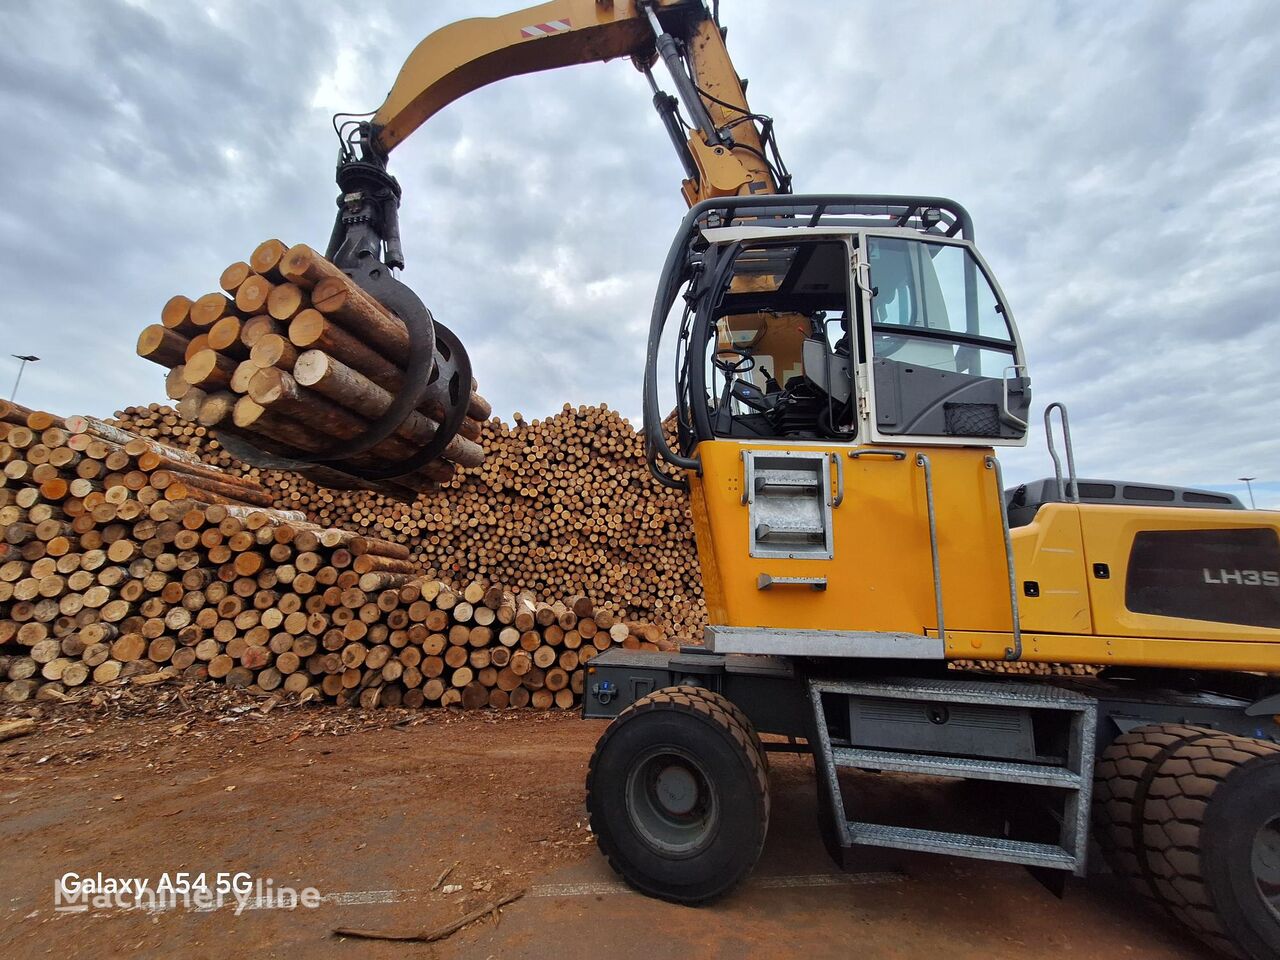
x=1241, y=854
x=678, y=795
x=1191, y=817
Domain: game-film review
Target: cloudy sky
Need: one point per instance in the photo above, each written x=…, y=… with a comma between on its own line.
x=1121, y=162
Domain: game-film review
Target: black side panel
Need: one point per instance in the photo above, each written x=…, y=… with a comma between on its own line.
x=1223, y=576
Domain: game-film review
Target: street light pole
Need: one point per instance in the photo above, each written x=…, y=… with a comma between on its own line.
x=1248, y=482
x=25, y=360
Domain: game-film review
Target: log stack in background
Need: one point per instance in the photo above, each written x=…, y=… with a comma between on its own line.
x=290, y=355
x=123, y=557
x=561, y=506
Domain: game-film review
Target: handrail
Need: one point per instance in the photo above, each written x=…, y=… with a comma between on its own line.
x=890, y=209
x=923, y=461
x=1070, y=493
x=1016, y=422
x=877, y=452
x=656, y=446
x=1014, y=652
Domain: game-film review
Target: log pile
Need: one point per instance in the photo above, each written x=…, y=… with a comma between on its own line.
x=126, y=558
x=561, y=506
x=1026, y=668
x=291, y=356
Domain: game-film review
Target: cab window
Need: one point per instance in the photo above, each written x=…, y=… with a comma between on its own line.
x=776, y=353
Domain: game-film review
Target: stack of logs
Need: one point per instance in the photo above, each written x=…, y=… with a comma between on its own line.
x=125, y=558
x=290, y=355
x=561, y=506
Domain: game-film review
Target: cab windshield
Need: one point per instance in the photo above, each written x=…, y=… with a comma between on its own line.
x=775, y=331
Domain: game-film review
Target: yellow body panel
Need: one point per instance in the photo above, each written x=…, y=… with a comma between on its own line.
x=1108, y=534
x=1050, y=552
x=1059, y=549
x=881, y=574
x=880, y=577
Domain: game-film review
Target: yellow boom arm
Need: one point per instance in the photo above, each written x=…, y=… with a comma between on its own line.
x=724, y=152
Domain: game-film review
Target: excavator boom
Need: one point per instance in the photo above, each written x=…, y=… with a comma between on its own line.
x=724, y=148
x=469, y=54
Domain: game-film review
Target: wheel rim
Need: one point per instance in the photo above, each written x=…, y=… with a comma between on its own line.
x=1266, y=865
x=671, y=802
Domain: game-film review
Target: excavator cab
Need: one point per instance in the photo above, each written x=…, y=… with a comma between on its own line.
x=845, y=366
x=858, y=321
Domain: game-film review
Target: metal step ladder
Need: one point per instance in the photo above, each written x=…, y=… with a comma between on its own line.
x=1072, y=774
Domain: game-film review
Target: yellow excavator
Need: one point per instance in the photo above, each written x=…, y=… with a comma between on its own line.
x=846, y=366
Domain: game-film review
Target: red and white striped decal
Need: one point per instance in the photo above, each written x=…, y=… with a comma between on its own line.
x=545, y=29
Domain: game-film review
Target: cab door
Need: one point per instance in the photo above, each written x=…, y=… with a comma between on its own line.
x=944, y=361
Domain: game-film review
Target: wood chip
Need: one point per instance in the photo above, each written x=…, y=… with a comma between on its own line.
x=17, y=728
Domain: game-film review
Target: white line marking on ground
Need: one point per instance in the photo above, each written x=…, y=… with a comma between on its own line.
x=827, y=880
x=610, y=887
x=368, y=896
x=600, y=889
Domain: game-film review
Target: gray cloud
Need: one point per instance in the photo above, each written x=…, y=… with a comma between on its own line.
x=1120, y=163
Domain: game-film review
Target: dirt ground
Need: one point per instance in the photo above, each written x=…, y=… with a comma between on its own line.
x=372, y=810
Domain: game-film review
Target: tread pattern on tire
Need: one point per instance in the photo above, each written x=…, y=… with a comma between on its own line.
x=1154, y=786
x=1121, y=778
x=740, y=715
x=706, y=703
x=1172, y=819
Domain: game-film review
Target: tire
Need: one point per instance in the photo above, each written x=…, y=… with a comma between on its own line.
x=1246, y=804
x=1121, y=779
x=1203, y=812
x=740, y=715
x=1178, y=813
x=678, y=795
